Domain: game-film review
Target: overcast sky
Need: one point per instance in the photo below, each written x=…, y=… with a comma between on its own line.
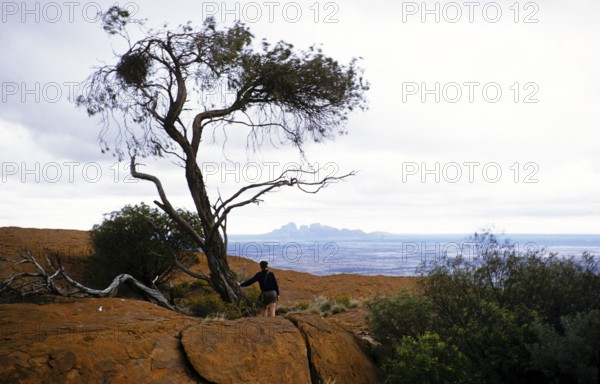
x=480, y=114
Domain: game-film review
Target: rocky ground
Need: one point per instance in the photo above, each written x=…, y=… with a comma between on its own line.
x=120, y=340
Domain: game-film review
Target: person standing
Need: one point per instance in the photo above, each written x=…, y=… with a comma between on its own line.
x=268, y=287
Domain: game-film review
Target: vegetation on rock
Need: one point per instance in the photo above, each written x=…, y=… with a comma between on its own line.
x=501, y=317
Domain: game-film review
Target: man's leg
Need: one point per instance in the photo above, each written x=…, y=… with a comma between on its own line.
x=271, y=308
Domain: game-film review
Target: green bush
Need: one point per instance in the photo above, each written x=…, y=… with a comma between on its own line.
x=571, y=355
x=427, y=359
x=180, y=290
x=407, y=314
x=210, y=305
x=139, y=241
x=325, y=306
x=516, y=318
x=321, y=305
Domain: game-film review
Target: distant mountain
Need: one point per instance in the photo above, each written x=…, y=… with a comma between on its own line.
x=291, y=231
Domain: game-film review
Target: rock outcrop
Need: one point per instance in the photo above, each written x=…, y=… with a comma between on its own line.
x=335, y=354
x=129, y=341
x=92, y=341
x=253, y=350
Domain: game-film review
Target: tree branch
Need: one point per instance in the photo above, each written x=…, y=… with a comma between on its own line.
x=223, y=209
x=166, y=204
x=185, y=269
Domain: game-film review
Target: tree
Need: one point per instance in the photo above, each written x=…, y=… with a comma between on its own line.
x=140, y=241
x=149, y=96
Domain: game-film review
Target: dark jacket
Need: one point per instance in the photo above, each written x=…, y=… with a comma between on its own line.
x=268, y=283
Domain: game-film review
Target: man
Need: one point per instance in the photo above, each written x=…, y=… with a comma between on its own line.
x=268, y=286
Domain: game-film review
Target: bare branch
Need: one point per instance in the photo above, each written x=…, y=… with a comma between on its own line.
x=185, y=269
x=225, y=207
x=111, y=290
x=165, y=204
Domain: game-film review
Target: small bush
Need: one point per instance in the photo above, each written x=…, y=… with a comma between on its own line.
x=210, y=305
x=338, y=308
x=180, y=290
x=324, y=306
x=206, y=305
x=283, y=310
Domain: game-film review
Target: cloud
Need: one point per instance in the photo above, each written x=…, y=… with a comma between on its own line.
x=417, y=127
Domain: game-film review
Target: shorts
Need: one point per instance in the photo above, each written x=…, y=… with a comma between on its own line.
x=269, y=297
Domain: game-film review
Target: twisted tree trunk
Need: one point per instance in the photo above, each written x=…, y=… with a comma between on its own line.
x=223, y=279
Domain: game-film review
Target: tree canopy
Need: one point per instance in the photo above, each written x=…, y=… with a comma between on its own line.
x=299, y=94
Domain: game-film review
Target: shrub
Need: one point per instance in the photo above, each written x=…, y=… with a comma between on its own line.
x=572, y=355
x=427, y=359
x=283, y=310
x=511, y=315
x=140, y=241
x=391, y=319
x=210, y=305
x=180, y=290
x=325, y=306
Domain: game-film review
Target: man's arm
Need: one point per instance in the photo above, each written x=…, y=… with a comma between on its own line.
x=250, y=281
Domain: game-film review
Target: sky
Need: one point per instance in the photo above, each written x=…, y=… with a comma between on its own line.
x=481, y=115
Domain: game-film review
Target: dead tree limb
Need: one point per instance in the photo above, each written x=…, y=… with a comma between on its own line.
x=41, y=280
x=153, y=295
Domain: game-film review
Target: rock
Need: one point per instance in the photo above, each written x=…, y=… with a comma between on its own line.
x=128, y=342
x=335, y=354
x=133, y=341
x=250, y=350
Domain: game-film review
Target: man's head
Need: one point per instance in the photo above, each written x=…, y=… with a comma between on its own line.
x=264, y=264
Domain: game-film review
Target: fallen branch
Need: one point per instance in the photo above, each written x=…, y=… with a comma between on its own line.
x=153, y=294
x=27, y=283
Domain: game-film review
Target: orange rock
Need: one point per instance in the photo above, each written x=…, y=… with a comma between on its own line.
x=128, y=341
x=251, y=350
x=335, y=354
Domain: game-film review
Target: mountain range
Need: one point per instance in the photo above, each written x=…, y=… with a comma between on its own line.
x=291, y=231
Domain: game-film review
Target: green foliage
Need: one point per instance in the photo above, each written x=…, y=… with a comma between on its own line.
x=140, y=241
x=516, y=318
x=115, y=19
x=210, y=305
x=427, y=359
x=180, y=290
x=326, y=306
x=570, y=356
x=393, y=318
x=322, y=305
x=304, y=92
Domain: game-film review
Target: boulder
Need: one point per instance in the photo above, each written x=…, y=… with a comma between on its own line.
x=92, y=341
x=251, y=350
x=335, y=355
